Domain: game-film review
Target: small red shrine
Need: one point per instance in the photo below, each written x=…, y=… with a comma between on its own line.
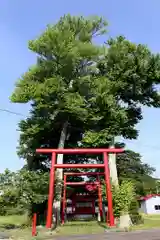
x=81, y=205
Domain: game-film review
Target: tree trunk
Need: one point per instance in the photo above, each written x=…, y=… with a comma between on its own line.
x=59, y=174
x=125, y=220
x=113, y=168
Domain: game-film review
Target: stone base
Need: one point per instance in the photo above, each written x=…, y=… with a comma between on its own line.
x=125, y=221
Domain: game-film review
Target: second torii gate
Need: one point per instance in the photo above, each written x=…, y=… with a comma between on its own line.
x=93, y=185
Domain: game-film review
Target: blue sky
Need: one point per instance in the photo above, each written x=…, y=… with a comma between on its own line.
x=21, y=21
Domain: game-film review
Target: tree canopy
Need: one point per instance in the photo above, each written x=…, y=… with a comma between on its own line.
x=98, y=90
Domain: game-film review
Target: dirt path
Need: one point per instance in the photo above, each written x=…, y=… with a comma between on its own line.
x=138, y=235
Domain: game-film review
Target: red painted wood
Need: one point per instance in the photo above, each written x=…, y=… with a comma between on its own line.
x=80, y=150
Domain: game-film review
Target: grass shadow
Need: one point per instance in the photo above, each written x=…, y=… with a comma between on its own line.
x=103, y=225
x=9, y=226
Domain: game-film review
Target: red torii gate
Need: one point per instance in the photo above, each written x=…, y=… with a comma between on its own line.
x=54, y=165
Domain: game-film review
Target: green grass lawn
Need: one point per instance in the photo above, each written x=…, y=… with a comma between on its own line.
x=79, y=227
x=12, y=225
x=13, y=221
x=150, y=222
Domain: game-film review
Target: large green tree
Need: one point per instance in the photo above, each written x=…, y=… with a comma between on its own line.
x=82, y=94
x=57, y=86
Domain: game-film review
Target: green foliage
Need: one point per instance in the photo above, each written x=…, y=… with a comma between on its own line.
x=131, y=73
x=125, y=201
x=34, y=187
x=60, y=85
x=23, y=190
x=131, y=167
x=9, y=193
x=95, y=89
x=123, y=196
x=135, y=216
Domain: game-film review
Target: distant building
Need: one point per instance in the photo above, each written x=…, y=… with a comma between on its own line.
x=150, y=204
